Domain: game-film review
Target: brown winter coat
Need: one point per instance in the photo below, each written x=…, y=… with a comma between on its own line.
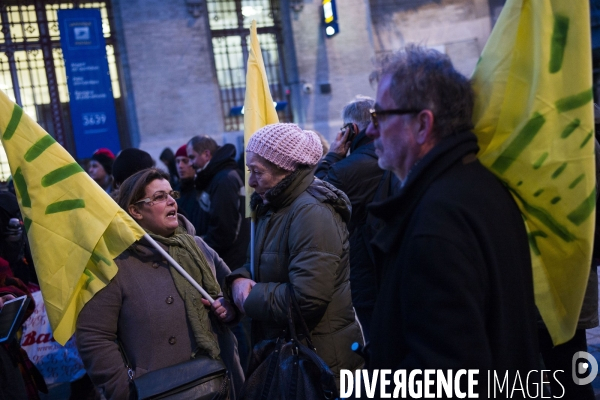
x=143, y=310
x=302, y=239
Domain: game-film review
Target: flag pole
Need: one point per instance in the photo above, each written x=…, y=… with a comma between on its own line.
x=179, y=269
x=259, y=112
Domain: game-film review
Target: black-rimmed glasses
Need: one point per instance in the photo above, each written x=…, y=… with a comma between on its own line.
x=374, y=113
x=159, y=197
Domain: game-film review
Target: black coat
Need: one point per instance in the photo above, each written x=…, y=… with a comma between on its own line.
x=359, y=176
x=223, y=224
x=188, y=204
x=457, y=290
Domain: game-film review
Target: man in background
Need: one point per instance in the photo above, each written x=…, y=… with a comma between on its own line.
x=223, y=225
x=351, y=166
x=188, y=199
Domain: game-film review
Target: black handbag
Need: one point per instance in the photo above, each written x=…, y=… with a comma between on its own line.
x=287, y=369
x=201, y=378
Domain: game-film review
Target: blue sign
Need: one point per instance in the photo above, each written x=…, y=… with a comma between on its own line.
x=92, y=103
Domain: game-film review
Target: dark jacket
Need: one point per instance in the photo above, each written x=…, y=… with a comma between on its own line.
x=358, y=176
x=301, y=238
x=142, y=308
x=223, y=225
x=458, y=288
x=188, y=204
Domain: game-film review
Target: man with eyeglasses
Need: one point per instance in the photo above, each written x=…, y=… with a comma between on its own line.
x=457, y=289
x=351, y=166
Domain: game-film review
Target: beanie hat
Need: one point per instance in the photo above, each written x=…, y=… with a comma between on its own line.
x=130, y=161
x=286, y=145
x=182, y=151
x=106, y=158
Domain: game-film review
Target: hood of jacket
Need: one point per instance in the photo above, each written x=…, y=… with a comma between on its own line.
x=299, y=181
x=224, y=158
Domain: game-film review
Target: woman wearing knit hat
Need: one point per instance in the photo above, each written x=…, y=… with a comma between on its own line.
x=301, y=239
x=100, y=168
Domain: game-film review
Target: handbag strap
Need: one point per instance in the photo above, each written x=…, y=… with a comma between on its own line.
x=294, y=308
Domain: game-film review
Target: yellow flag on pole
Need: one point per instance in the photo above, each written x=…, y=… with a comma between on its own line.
x=534, y=121
x=259, y=109
x=75, y=229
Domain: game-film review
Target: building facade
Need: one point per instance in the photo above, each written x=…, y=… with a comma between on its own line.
x=178, y=66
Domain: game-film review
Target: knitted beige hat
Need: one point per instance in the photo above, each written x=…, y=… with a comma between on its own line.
x=286, y=145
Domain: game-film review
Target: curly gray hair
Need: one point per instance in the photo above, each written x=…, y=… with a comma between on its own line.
x=425, y=79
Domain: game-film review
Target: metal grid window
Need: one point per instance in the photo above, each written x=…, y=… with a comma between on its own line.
x=32, y=69
x=230, y=22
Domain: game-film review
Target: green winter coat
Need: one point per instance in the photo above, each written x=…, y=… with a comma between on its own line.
x=301, y=238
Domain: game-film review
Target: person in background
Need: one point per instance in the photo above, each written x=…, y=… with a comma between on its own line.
x=128, y=162
x=168, y=159
x=19, y=378
x=12, y=385
x=149, y=307
x=100, y=168
x=224, y=226
x=359, y=176
x=301, y=243
x=14, y=245
x=188, y=199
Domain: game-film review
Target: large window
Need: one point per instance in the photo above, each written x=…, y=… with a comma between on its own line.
x=32, y=70
x=230, y=27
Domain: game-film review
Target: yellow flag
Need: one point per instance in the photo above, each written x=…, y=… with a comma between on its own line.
x=259, y=109
x=534, y=121
x=75, y=229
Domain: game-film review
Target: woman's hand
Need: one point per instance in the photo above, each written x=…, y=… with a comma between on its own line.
x=222, y=309
x=240, y=289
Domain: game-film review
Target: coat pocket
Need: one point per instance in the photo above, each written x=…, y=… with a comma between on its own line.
x=335, y=348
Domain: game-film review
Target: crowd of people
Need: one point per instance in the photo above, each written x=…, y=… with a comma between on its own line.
x=395, y=239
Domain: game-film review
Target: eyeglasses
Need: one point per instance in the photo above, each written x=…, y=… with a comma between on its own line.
x=374, y=113
x=159, y=197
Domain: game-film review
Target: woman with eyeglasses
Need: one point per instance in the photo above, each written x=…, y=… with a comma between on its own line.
x=148, y=310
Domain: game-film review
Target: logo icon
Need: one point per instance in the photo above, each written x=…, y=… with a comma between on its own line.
x=82, y=32
x=584, y=364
